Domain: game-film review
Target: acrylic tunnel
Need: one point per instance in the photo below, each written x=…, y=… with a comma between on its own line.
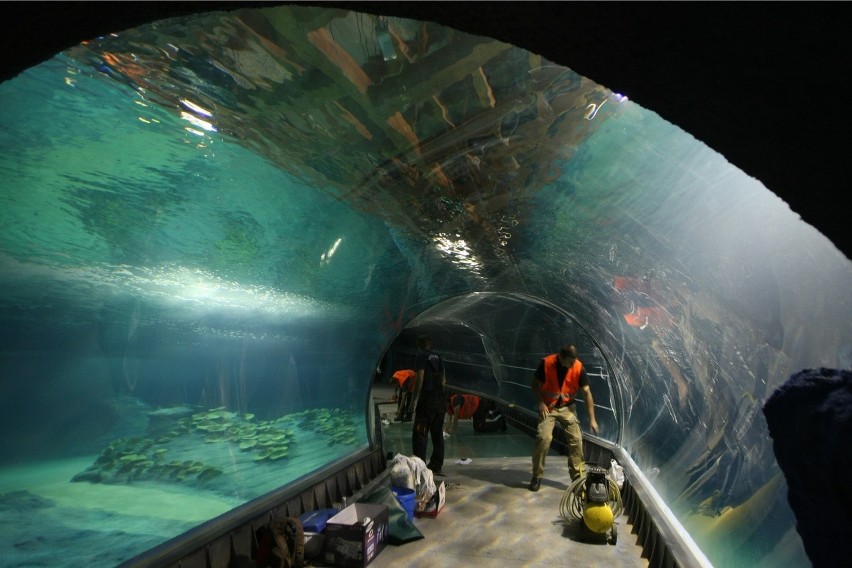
x=214, y=227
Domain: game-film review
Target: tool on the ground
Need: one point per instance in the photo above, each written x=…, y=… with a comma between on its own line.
x=596, y=500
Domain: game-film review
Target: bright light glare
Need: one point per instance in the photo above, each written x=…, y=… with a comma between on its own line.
x=203, y=124
x=195, y=108
x=457, y=250
x=592, y=110
x=180, y=285
x=326, y=256
x=188, y=293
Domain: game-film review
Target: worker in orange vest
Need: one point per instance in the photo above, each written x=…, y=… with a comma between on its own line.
x=404, y=390
x=559, y=378
x=465, y=406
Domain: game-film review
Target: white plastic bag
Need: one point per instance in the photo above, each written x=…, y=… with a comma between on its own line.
x=616, y=473
x=411, y=472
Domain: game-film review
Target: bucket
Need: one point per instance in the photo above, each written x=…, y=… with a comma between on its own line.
x=406, y=498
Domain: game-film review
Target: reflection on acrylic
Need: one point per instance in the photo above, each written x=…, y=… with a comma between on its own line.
x=213, y=228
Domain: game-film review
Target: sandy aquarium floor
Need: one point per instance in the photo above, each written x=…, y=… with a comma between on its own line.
x=47, y=521
x=44, y=515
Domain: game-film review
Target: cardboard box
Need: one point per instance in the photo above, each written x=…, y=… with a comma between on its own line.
x=356, y=535
x=433, y=506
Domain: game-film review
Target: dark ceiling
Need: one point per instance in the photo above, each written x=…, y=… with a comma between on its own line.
x=762, y=83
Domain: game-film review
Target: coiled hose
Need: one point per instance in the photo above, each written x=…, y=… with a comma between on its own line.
x=573, y=500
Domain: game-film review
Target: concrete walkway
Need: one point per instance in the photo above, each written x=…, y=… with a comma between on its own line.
x=491, y=519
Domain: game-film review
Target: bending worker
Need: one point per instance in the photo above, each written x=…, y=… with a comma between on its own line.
x=464, y=406
x=405, y=379
x=557, y=379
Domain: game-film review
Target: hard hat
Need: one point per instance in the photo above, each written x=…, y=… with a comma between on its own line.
x=598, y=517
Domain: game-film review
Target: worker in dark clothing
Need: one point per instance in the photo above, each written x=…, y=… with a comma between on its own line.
x=428, y=402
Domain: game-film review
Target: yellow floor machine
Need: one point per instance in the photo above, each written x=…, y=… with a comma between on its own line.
x=594, y=499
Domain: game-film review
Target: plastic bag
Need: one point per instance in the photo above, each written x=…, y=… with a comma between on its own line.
x=616, y=473
x=411, y=472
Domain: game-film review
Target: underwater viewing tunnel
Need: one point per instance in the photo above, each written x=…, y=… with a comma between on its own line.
x=221, y=221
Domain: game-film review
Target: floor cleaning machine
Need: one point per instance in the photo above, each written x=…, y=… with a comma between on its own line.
x=594, y=499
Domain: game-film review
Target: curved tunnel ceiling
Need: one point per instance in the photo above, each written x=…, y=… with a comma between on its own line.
x=750, y=82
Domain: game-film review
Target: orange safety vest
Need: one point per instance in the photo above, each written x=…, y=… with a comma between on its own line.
x=550, y=392
x=403, y=376
x=468, y=407
x=653, y=316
